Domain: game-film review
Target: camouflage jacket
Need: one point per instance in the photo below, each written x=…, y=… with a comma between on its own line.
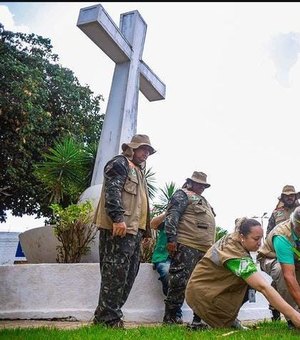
x=190, y=220
x=115, y=174
x=281, y=213
x=178, y=203
x=123, y=190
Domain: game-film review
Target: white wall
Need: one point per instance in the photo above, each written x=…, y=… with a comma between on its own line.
x=43, y=291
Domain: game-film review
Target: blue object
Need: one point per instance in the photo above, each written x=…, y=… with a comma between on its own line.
x=19, y=252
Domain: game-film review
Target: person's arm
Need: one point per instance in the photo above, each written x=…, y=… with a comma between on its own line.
x=257, y=282
x=289, y=274
x=176, y=208
x=115, y=174
x=285, y=256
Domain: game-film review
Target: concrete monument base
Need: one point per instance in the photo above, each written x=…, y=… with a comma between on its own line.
x=47, y=291
x=39, y=246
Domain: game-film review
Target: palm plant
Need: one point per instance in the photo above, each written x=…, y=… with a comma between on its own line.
x=220, y=232
x=150, y=180
x=165, y=195
x=90, y=152
x=66, y=170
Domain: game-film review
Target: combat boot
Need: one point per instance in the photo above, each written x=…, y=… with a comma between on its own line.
x=172, y=316
x=238, y=325
x=290, y=324
x=275, y=315
x=197, y=324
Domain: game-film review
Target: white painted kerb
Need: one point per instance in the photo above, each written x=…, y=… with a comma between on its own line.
x=45, y=291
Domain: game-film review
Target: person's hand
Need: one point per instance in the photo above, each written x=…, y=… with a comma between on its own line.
x=172, y=247
x=157, y=221
x=296, y=319
x=119, y=229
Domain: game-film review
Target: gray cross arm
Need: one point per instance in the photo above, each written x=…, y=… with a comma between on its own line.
x=100, y=28
x=150, y=85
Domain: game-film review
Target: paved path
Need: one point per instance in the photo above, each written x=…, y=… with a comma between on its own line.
x=74, y=324
x=59, y=324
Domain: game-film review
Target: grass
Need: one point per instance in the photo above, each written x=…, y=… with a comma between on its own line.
x=263, y=330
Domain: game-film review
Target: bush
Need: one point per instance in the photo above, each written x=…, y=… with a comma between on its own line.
x=74, y=229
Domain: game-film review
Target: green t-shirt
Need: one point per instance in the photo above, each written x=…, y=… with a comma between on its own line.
x=284, y=249
x=242, y=268
x=160, y=252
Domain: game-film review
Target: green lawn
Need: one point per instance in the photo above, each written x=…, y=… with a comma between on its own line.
x=262, y=330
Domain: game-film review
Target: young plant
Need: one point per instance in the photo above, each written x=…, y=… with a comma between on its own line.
x=74, y=230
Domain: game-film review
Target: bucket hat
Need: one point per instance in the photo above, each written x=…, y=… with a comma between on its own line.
x=288, y=190
x=199, y=177
x=137, y=141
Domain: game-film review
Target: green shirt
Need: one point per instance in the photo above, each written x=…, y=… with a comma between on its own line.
x=243, y=267
x=160, y=252
x=284, y=249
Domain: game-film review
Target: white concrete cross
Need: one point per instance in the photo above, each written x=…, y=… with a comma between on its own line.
x=125, y=47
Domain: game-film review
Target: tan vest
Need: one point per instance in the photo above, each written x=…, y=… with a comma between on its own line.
x=267, y=249
x=213, y=291
x=197, y=227
x=135, y=202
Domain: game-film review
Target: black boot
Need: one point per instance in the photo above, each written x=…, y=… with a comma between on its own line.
x=172, y=316
x=290, y=324
x=275, y=314
x=197, y=324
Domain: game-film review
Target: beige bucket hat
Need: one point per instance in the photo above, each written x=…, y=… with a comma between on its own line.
x=137, y=141
x=199, y=177
x=288, y=190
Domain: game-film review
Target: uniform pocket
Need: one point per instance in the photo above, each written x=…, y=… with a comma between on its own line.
x=131, y=187
x=129, y=194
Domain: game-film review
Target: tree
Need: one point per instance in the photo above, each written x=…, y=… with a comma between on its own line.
x=40, y=103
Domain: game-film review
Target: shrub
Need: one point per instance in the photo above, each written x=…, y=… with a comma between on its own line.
x=74, y=229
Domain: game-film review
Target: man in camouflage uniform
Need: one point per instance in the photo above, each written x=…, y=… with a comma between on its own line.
x=123, y=219
x=288, y=201
x=190, y=230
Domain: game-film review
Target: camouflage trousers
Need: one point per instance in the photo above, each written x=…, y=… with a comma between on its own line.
x=119, y=265
x=181, y=267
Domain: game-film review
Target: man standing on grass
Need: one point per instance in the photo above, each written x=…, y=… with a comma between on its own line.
x=123, y=219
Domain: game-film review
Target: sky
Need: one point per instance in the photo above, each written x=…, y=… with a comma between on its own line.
x=232, y=105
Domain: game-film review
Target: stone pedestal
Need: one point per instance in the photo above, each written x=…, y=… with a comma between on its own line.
x=39, y=246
